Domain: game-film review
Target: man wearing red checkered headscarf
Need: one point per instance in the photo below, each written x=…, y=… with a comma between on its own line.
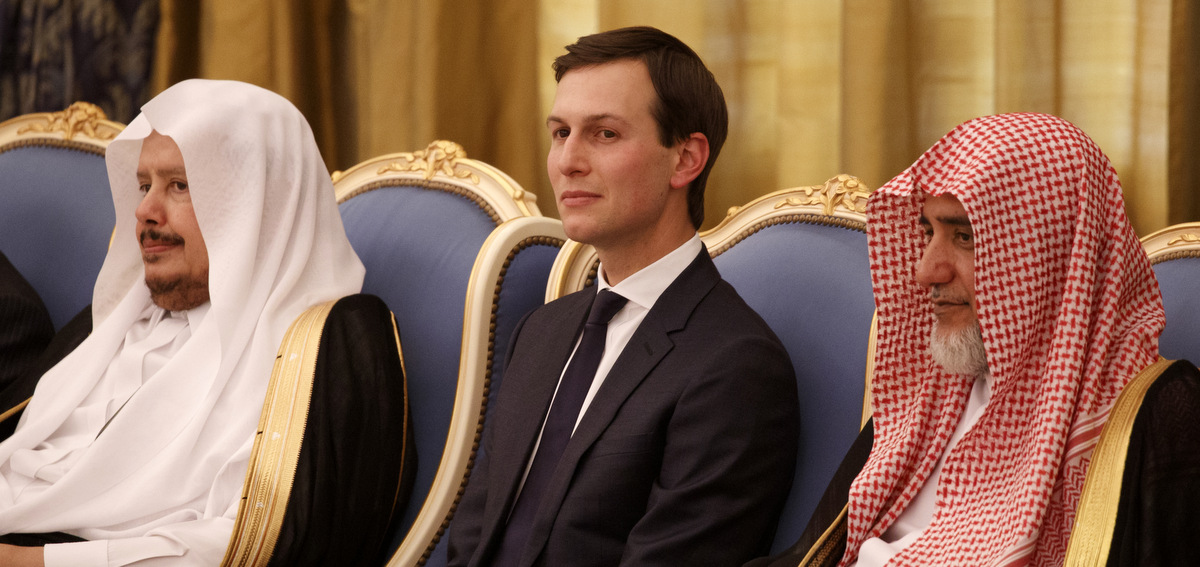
x=1014, y=304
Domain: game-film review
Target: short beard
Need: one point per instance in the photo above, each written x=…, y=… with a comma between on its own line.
x=960, y=352
x=180, y=293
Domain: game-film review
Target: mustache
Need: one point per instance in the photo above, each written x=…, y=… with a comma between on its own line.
x=938, y=292
x=159, y=236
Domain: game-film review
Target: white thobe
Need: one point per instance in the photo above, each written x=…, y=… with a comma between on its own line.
x=148, y=345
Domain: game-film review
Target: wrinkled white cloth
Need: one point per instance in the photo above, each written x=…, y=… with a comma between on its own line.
x=164, y=478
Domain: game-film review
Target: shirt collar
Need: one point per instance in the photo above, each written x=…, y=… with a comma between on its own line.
x=154, y=314
x=645, y=286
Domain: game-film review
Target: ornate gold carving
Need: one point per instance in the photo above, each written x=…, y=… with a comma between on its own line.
x=80, y=117
x=440, y=156
x=842, y=191
x=1186, y=238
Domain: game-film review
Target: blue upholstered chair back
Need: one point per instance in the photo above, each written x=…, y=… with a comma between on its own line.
x=418, y=221
x=508, y=281
x=1175, y=254
x=56, y=211
x=799, y=258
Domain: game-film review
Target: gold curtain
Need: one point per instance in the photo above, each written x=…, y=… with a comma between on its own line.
x=815, y=87
x=375, y=76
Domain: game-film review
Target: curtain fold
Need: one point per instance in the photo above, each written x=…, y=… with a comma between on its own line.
x=815, y=87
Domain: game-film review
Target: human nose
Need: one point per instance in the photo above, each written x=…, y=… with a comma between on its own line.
x=150, y=210
x=571, y=158
x=934, y=266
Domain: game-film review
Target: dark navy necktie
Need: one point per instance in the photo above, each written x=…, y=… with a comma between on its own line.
x=560, y=423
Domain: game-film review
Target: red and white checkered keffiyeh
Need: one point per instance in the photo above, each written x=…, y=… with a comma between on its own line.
x=1070, y=312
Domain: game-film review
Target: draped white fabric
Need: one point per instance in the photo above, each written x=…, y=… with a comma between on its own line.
x=172, y=463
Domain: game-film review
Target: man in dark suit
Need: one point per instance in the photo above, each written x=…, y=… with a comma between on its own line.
x=25, y=327
x=676, y=447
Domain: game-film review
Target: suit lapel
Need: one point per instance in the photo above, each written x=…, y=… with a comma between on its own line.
x=646, y=348
x=528, y=393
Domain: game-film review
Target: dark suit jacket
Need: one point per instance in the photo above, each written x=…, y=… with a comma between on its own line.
x=25, y=329
x=683, y=458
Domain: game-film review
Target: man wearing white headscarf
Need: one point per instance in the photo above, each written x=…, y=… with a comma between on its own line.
x=1015, y=304
x=138, y=441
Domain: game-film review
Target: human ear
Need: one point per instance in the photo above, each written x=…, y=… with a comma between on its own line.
x=692, y=156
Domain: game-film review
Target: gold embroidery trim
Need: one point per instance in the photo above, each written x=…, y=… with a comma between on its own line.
x=13, y=410
x=820, y=550
x=404, y=443
x=276, y=450
x=870, y=373
x=1096, y=518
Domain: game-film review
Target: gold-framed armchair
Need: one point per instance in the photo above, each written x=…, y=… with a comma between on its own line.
x=460, y=252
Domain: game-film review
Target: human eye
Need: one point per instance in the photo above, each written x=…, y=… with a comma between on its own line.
x=559, y=133
x=965, y=238
x=179, y=186
x=143, y=188
x=606, y=134
x=926, y=232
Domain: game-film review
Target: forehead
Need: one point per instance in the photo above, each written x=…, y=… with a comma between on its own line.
x=619, y=89
x=160, y=154
x=944, y=209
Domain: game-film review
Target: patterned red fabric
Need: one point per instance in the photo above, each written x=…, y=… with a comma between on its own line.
x=1069, y=310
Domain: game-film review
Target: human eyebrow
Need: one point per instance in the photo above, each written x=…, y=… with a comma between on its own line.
x=955, y=220
x=589, y=119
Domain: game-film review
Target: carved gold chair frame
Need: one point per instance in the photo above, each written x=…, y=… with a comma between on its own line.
x=82, y=126
x=1180, y=240
x=442, y=165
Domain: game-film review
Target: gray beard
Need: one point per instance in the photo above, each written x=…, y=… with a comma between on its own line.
x=960, y=352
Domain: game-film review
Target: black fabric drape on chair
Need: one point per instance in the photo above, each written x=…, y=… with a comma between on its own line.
x=55, y=52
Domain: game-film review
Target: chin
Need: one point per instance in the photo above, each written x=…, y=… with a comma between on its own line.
x=178, y=293
x=578, y=231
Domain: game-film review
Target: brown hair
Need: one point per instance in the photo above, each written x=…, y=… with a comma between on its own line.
x=689, y=99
